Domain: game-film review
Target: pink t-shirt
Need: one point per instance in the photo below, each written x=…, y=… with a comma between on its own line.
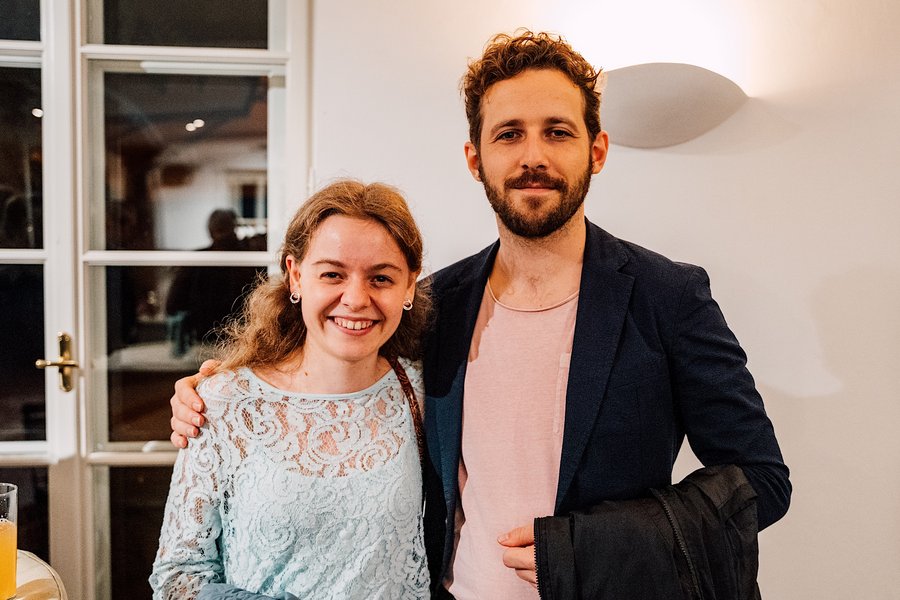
x=513, y=418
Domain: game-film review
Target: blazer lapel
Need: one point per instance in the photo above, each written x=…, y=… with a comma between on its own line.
x=458, y=311
x=602, y=306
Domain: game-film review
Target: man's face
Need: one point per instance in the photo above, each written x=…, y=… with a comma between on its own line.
x=536, y=158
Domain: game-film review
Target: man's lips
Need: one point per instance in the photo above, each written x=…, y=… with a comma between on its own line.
x=534, y=186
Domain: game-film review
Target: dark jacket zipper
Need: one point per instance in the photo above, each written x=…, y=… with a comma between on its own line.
x=681, y=543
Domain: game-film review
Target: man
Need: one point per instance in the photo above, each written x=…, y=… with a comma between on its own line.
x=565, y=368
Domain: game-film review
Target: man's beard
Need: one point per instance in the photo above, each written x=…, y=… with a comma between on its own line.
x=529, y=226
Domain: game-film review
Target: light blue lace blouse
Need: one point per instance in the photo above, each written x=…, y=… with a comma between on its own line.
x=316, y=495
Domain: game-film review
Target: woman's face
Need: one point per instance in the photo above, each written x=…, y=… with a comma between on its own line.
x=353, y=282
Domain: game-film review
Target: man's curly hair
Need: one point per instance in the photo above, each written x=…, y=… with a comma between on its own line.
x=506, y=56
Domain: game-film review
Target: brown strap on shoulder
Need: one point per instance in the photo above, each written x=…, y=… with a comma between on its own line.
x=414, y=409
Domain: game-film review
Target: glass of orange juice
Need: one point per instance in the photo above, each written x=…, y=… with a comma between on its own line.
x=8, y=509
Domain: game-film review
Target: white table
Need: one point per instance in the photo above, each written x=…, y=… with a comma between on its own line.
x=36, y=580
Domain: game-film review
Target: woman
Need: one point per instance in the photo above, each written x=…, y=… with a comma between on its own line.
x=307, y=479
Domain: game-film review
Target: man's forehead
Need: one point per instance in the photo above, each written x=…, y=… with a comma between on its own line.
x=545, y=94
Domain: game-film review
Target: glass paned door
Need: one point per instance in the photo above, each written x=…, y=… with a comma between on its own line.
x=182, y=196
x=24, y=451
x=22, y=397
x=175, y=147
x=136, y=176
x=38, y=443
x=172, y=248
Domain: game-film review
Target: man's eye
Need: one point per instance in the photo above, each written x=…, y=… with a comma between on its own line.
x=508, y=135
x=560, y=133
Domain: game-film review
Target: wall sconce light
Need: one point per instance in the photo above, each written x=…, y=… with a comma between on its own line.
x=654, y=105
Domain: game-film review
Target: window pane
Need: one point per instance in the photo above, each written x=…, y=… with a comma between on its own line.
x=137, y=500
x=157, y=320
x=20, y=20
x=179, y=148
x=32, y=529
x=210, y=23
x=22, y=395
x=20, y=158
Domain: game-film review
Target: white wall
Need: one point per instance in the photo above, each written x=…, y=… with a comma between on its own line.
x=792, y=205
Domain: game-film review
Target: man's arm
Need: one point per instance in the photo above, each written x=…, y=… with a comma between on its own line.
x=716, y=399
x=188, y=407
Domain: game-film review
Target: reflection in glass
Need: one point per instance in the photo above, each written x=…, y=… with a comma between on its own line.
x=22, y=394
x=137, y=500
x=209, y=23
x=179, y=147
x=21, y=186
x=20, y=20
x=200, y=298
x=32, y=529
x=161, y=323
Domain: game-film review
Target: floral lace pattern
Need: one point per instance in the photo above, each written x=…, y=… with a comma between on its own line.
x=317, y=495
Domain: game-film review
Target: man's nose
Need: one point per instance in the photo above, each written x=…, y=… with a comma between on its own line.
x=534, y=153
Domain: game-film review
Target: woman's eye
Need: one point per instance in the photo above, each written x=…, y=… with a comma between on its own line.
x=330, y=275
x=382, y=279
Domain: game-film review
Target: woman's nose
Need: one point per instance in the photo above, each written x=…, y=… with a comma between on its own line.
x=356, y=295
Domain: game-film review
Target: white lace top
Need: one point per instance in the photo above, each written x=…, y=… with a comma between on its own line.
x=316, y=495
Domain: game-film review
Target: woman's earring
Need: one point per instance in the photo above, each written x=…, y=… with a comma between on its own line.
x=407, y=304
x=295, y=297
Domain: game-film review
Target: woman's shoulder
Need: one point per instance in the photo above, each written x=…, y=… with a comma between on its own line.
x=411, y=366
x=227, y=387
x=413, y=370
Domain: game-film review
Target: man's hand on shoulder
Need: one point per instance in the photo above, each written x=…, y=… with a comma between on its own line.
x=188, y=407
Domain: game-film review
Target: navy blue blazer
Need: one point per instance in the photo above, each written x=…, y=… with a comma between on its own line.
x=652, y=361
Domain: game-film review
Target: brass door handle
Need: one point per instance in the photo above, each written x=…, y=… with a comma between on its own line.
x=43, y=364
x=65, y=363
